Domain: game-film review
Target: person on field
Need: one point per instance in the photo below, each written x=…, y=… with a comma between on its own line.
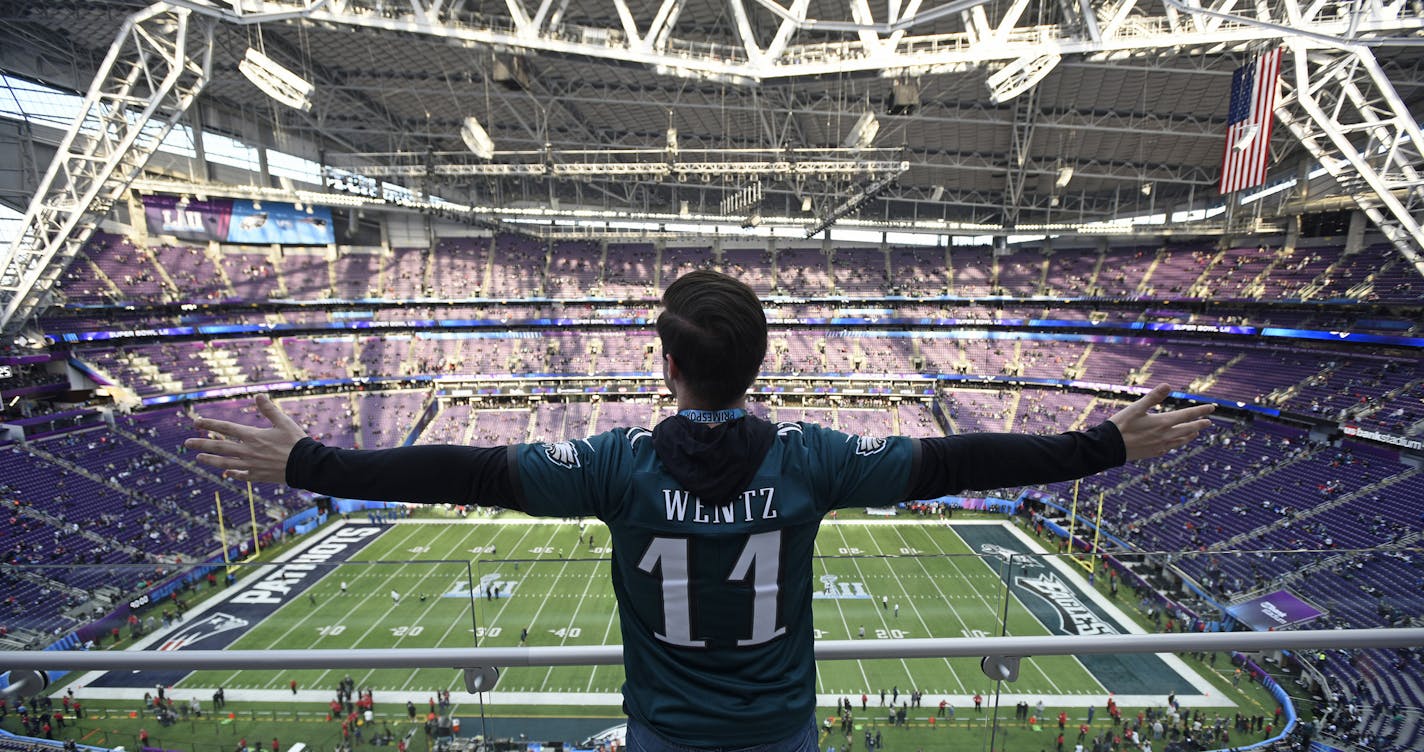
x=712, y=514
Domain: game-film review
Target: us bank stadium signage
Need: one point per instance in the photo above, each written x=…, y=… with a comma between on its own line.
x=1399, y=441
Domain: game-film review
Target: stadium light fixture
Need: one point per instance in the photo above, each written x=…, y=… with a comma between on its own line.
x=276, y=81
x=862, y=134
x=1019, y=76
x=1064, y=175
x=475, y=137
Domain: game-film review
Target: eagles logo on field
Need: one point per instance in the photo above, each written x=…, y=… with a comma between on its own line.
x=1018, y=558
x=563, y=453
x=1074, y=617
x=868, y=445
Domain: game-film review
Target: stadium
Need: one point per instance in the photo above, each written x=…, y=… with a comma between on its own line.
x=431, y=222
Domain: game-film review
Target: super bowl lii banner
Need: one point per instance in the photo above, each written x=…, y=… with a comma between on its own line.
x=238, y=221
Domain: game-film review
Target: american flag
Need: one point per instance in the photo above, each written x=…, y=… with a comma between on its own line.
x=1248, y=125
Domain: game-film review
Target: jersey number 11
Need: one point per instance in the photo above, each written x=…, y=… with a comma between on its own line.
x=761, y=554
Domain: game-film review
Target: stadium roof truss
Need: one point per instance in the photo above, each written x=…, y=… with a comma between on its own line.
x=750, y=75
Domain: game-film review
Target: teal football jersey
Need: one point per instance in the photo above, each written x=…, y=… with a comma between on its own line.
x=714, y=595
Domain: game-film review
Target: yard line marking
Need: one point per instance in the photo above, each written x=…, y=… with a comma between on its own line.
x=1051, y=560
x=608, y=630
x=910, y=601
x=553, y=586
x=998, y=613
x=444, y=636
x=826, y=569
x=856, y=561
x=1004, y=628
x=505, y=601
x=281, y=639
x=572, y=617
x=455, y=681
x=430, y=571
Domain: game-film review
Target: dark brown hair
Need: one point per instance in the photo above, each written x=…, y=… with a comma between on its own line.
x=713, y=326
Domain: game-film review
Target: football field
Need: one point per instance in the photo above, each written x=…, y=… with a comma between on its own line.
x=460, y=583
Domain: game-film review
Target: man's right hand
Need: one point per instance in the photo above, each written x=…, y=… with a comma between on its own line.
x=249, y=453
x=1148, y=434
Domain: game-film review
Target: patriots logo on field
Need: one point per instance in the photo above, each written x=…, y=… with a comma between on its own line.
x=563, y=453
x=868, y=445
x=202, y=630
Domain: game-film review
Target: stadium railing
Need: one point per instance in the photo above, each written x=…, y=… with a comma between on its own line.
x=1015, y=627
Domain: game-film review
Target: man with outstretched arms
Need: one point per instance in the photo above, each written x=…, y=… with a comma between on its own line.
x=713, y=514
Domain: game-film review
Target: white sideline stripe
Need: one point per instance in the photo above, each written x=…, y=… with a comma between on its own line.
x=319, y=699
x=1127, y=623
x=253, y=575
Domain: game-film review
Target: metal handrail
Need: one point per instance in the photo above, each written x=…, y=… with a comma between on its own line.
x=956, y=647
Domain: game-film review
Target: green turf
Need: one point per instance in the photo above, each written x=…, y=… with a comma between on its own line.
x=559, y=590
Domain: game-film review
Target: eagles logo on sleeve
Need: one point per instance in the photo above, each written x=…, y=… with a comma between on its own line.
x=868, y=445
x=635, y=434
x=563, y=453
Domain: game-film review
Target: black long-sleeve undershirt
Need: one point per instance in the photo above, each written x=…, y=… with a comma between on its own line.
x=439, y=474
x=981, y=461
x=426, y=474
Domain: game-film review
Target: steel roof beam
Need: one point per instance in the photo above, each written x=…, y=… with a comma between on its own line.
x=157, y=64
x=1132, y=29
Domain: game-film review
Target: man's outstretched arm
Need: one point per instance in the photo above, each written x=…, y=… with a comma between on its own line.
x=283, y=453
x=998, y=460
